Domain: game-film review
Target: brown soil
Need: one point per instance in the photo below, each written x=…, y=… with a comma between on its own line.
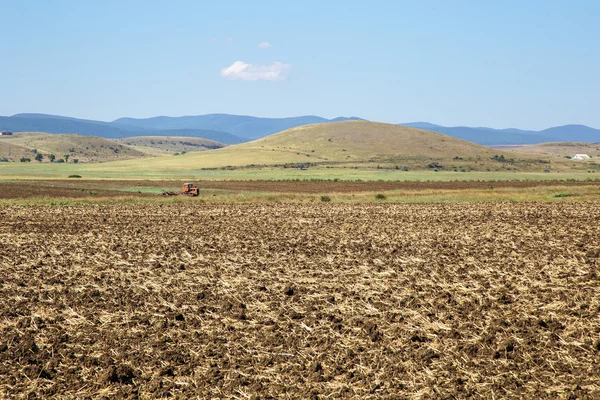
x=82, y=188
x=300, y=301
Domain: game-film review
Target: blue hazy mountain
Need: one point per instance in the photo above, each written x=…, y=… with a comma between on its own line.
x=579, y=133
x=240, y=125
x=59, y=124
x=490, y=136
x=233, y=129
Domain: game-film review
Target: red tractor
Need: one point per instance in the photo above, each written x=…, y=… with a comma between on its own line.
x=188, y=189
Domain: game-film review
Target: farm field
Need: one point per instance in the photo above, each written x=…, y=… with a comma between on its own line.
x=148, y=170
x=76, y=191
x=300, y=301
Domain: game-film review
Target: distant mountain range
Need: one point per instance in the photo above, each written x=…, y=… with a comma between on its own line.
x=58, y=124
x=240, y=125
x=490, y=136
x=232, y=129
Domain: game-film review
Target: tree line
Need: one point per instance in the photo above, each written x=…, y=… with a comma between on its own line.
x=39, y=157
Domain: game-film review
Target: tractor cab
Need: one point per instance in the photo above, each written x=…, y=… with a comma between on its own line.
x=190, y=189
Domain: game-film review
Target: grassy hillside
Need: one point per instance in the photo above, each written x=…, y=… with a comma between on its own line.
x=83, y=148
x=10, y=151
x=561, y=149
x=344, y=150
x=165, y=145
x=364, y=141
x=352, y=143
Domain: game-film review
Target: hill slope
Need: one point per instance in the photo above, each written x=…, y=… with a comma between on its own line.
x=13, y=152
x=163, y=145
x=83, y=148
x=350, y=143
x=364, y=141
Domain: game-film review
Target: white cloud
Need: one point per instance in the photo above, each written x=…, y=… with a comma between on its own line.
x=240, y=70
x=264, y=45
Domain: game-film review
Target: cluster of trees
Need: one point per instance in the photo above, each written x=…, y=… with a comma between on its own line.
x=39, y=157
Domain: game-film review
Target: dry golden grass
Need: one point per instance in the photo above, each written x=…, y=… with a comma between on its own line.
x=13, y=152
x=354, y=144
x=561, y=149
x=169, y=145
x=352, y=141
x=300, y=301
x=83, y=148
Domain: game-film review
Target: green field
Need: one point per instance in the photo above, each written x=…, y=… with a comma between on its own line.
x=148, y=170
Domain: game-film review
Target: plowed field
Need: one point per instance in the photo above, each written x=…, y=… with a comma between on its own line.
x=82, y=188
x=300, y=301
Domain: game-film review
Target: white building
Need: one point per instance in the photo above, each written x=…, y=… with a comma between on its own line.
x=581, y=157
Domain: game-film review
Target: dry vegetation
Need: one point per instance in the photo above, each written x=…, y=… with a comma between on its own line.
x=165, y=145
x=96, y=149
x=561, y=149
x=359, y=144
x=82, y=148
x=299, y=301
x=79, y=191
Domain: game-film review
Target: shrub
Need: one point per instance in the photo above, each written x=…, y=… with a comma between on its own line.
x=325, y=199
x=380, y=196
x=567, y=195
x=25, y=159
x=74, y=176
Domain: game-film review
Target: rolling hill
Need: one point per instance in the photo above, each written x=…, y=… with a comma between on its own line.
x=82, y=148
x=11, y=152
x=164, y=145
x=96, y=149
x=216, y=136
x=349, y=143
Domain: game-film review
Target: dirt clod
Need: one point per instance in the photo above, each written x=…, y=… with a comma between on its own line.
x=300, y=300
x=122, y=373
x=290, y=291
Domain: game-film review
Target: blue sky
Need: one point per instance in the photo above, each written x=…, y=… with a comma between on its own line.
x=527, y=64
